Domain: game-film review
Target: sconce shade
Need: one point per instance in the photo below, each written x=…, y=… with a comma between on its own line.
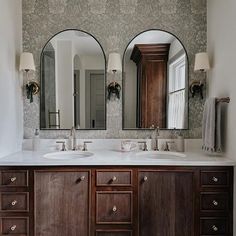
x=114, y=63
x=201, y=62
x=27, y=61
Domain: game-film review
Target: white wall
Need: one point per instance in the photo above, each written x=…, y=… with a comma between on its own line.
x=11, y=105
x=64, y=82
x=222, y=77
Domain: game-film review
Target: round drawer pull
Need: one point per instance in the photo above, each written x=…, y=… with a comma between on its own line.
x=215, y=203
x=114, y=209
x=145, y=178
x=13, y=203
x=215, y=179
x=13, y=227
x=82, y=178
x=13, y=179
x=114, y=179
x=214, y=228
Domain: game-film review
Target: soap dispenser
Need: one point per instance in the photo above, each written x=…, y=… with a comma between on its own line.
x=36, y=140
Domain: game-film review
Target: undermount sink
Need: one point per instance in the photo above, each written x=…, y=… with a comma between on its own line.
x=158, y=155
x=67, y=155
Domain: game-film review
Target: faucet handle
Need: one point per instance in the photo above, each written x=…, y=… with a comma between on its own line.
x=85, y=149
x=63, y=148
x=144, y=145
x=167, y=145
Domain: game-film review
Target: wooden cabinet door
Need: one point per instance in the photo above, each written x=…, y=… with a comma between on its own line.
x=166, y=203
x=62, y=203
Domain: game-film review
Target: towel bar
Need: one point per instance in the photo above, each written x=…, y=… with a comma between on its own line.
x=226, y=99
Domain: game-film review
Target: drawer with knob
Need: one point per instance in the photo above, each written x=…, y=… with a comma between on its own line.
x=114, y=178
x=214, y=178
x=214, y=201
x=114, y=207
x=13, y=178
x=14, y=226
x=14, y=202
x=214, y=226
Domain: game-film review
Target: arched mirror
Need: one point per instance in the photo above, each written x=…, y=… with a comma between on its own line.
x=155, y=82
x=73, y=82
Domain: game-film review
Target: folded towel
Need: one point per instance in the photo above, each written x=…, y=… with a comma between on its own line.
x=218, y=128
x=211, y=126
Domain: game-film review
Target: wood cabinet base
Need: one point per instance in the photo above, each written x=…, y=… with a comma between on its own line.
x=112, y=201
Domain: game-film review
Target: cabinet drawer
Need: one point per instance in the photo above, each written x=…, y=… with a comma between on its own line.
x=214, y=226
x=114, y=178
x=14, y=226
x=214, y=201
x=11, y=178
x=113, y=233
x=114, y=207
x=214, y=178
x=14, y=202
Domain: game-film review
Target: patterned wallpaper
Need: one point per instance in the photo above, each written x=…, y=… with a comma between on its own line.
x=114, y=23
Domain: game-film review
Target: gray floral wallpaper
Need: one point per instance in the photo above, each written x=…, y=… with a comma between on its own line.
x=114, y=23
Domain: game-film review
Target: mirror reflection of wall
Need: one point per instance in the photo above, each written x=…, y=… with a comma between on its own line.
x=155, y=82
x=72, y=82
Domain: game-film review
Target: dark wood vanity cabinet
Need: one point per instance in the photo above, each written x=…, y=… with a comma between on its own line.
x=116, y=201
x=166, y=203
x=62, y=202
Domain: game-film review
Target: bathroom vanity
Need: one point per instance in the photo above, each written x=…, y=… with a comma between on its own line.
x=130, y=197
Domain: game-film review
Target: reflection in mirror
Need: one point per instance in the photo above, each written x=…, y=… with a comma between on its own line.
x=155, y=82
x=72, y=82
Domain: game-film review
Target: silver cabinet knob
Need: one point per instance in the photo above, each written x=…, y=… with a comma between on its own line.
x=13, y=179
x=215, y=179
x=13, y=203
x=13, y=227
x=114, y=209
x=215, y=203
x=145, y=178
x=114, y=179
x=82, y=178
x=215, y=228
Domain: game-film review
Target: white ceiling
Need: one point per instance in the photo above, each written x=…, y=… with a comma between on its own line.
x=83, y=43
x=150, y=37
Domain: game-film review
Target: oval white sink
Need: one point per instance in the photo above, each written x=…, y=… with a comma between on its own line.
x=67, y=155
x=160, y=155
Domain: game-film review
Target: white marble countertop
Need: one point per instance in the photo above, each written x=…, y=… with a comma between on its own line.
x=115, y=158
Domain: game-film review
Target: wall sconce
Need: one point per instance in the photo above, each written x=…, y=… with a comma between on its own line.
x=27, y=64
x=114, y=67
x=201, y=64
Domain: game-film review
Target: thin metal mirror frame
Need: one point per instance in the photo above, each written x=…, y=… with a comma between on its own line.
x=123, y=76
x=105, y=78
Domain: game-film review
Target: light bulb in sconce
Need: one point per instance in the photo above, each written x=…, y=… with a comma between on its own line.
x=202, y=64
x=27, y=64
x=114, y=66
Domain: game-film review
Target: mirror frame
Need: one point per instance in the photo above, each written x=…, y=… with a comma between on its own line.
x=123, y=76
x=105, y=78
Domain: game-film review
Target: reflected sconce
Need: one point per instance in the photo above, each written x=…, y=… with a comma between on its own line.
x=202, y=64
x=27, y=64
x=114, y=67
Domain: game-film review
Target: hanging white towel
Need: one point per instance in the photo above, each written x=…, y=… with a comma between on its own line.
x=211, y=126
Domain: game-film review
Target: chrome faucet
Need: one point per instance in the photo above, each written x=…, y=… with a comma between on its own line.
x=73, y=133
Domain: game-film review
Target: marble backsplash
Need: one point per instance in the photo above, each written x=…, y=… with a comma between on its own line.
x=114, y=23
